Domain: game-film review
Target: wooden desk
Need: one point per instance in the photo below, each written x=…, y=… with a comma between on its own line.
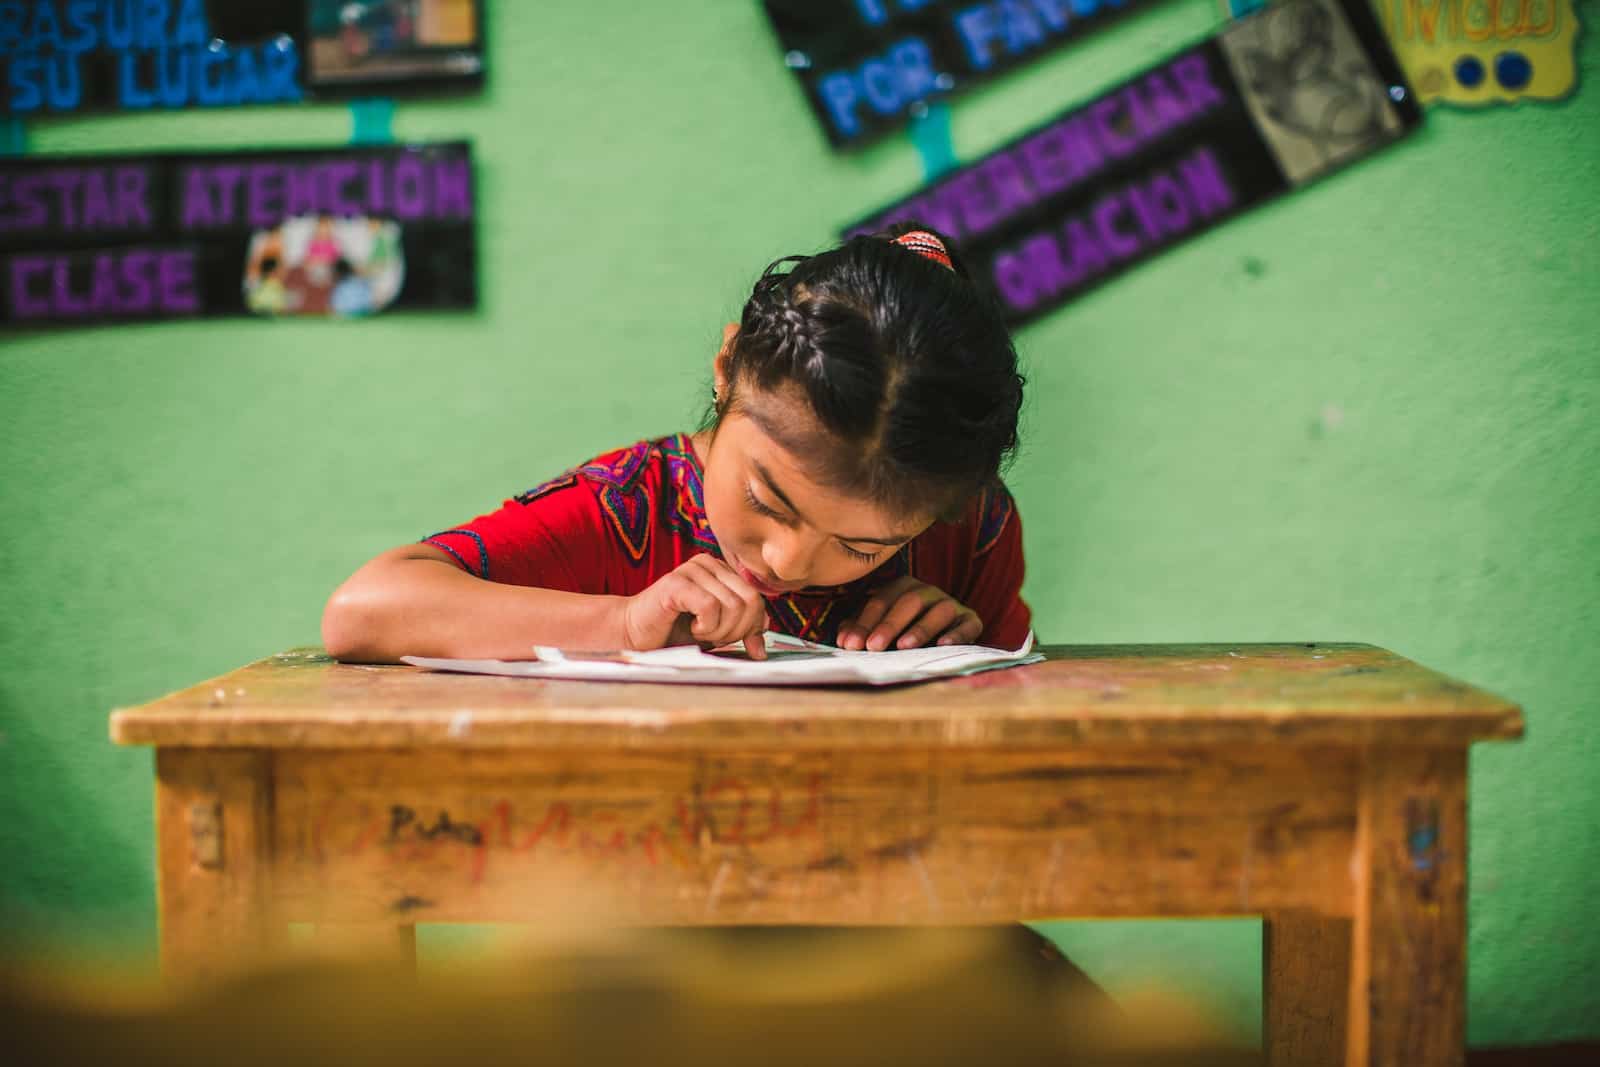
x=1321, y=786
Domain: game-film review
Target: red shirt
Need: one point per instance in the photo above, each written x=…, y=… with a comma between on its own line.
x=624, y=519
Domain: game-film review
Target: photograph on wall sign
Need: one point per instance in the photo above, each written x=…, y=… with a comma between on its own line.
x=319, y=265
x=1271, y=103
x=1470, y=53
x=64, y=56
x=341, y=232
x=868, y=65
x=369, y=42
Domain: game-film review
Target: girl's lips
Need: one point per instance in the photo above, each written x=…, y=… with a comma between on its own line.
x=761, y=587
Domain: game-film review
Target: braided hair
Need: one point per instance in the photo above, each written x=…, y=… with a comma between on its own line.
x=905, y=362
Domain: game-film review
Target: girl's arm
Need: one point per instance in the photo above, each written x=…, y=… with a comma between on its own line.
x=413, y=601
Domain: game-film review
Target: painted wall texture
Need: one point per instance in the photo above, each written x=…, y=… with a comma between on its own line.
x=1368, y=412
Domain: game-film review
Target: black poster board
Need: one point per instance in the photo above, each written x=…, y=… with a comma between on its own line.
x=343, y=231
x=64, y=56
x=866, y=65
x=1270, y=103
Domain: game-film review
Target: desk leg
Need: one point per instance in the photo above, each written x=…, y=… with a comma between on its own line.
x=214, y=855
x=1408, y=960
x=1305, y=978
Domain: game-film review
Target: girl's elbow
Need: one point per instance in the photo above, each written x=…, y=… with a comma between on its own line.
x=347, y=625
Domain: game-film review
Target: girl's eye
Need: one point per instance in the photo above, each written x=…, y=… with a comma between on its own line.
x=757, y=506
x=864, y=557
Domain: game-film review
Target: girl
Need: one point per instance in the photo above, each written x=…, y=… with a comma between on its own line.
x=845, y=488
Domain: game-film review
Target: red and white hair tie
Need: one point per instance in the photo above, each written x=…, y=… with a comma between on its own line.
x=926, y=245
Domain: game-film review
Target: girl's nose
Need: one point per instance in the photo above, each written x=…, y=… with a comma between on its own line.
x=787, y=556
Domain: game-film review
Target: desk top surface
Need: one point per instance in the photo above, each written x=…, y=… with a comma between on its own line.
x=1321, y=694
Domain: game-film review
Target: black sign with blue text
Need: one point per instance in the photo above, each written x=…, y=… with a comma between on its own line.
x=1269, y=104
x=63, y=56
x=867, y=65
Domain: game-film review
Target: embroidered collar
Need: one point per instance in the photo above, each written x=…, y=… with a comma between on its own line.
x=689, y=494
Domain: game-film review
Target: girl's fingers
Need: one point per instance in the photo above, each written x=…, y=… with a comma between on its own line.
x=689, y=595
x=905, y=611
x=854, y=634
x=725, y=626
x=747, y=611
x=964, y=631
x=933, y=622
x=756, y=646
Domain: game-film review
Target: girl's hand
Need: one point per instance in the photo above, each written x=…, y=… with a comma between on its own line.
x=907, y=613
x=703, y=601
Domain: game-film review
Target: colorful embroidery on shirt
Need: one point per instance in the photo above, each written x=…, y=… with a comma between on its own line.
x=818, y=623
x=994, y=510
x=688, y=513
x=629, y=507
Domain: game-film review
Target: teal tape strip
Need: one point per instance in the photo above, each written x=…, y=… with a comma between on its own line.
x=372, y=121
x=1238, y=9
x=930, y=132
x=13, y=137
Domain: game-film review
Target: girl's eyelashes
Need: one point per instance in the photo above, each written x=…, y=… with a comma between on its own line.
x=759, y=508
x=864, y=557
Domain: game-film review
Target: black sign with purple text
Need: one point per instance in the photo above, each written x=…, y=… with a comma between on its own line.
x=342, y=232
x=866, y=65
x=1271, y=103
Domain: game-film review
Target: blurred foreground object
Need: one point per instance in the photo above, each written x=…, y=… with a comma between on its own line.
x=768, y=996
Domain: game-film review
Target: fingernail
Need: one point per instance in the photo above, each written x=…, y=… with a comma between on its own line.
x=906, y=641
x=877, y=644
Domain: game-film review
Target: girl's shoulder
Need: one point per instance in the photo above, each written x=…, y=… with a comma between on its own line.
x=634, y=489
x=981, y=526
x=990, y=514
x=625, y=470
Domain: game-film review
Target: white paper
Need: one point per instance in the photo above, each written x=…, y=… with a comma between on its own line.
x=790, y=661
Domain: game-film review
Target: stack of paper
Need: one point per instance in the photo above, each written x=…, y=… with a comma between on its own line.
x=790, y=661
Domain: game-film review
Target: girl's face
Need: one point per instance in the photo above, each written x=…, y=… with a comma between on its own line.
x=777, y=527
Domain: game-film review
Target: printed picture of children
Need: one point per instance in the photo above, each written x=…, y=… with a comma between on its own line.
x=318, y=265
x=354, y=41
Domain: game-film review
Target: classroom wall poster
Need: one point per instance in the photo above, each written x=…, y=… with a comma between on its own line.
x=868, y=65
x=1477, y=52
x=63, y=56
x=400, y=43
x=340, y=232
x=1270, y=103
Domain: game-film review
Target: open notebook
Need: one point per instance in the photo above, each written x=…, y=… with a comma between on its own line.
x=790, y=661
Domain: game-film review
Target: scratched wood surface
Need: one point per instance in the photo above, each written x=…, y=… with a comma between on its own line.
x=1305, y=980
x=1408, y=975
x=841, y=837
x=1143, y=694
x=214, y=857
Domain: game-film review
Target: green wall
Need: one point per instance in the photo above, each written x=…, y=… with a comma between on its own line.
x=1367, y=412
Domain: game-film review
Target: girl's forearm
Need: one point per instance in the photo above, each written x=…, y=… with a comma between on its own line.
x=411, y=601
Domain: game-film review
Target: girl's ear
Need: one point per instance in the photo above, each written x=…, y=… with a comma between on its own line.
x=719, y=364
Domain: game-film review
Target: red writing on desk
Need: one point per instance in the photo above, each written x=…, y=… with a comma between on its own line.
x=726, y=812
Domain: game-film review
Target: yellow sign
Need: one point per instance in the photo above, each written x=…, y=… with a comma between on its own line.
x=1476, y=52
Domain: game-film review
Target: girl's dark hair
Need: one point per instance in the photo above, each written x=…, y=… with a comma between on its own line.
x=907, y=364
